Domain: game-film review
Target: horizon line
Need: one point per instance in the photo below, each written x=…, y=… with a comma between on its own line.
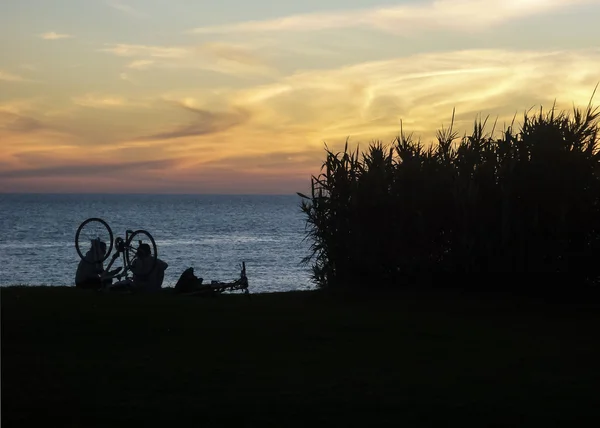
x=147, y=194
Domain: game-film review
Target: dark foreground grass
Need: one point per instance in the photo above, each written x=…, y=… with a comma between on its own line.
x=77, y=358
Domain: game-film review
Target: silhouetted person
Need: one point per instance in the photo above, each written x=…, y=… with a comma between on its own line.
x=188, y=282
x=90, y=270
x=145, y=277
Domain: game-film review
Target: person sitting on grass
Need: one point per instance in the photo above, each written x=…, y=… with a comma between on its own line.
x=146, y=277
x=90, y=272
x=188, y=282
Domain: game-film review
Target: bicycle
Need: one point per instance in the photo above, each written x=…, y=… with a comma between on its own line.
x=190, y=285
x=95, y=230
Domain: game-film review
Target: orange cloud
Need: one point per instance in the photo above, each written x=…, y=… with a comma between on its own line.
x=269, y=137
x=107, y=101
x=55, y=36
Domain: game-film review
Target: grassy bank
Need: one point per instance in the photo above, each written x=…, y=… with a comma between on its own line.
x=76, y=358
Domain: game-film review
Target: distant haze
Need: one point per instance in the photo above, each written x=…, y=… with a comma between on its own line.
x=239, y=97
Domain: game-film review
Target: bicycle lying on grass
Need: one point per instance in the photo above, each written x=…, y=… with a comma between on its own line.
x=239, y=284
x=190, y=285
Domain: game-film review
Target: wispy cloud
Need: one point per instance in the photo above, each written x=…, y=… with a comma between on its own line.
x=128, y=50
x=29, y=117
x=125, y=8
x=275, y=161
x=88, y=169
x=55, y=36
x=22, y=124
x=127, y=78
x=140, y=64
x=20, y=106
x=457, y=15
x=204, y=122
x=10, y=77
x=107, y=101
x=234, y=59
x=232, y=52
x=268, y=136
x=368, y=100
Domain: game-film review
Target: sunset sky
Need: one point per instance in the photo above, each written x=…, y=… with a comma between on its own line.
x=239, y=96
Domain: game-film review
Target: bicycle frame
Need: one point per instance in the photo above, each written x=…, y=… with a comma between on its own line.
x=120, y=247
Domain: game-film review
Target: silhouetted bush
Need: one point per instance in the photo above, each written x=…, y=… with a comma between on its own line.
x=525, y=202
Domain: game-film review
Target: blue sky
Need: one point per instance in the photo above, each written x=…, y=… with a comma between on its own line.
x=238, y=96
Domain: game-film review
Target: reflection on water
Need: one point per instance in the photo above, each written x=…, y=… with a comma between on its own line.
x=213, y=234
x=216, y=240
x=25, y=245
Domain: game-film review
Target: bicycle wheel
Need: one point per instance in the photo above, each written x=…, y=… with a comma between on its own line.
x=141, y=263
x=93, y=230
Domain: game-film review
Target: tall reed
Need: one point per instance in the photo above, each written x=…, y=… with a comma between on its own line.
x=526, y=201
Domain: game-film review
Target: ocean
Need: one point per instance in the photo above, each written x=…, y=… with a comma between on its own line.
x=213, y=234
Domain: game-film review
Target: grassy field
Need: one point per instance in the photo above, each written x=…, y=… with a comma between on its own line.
x=80, y=358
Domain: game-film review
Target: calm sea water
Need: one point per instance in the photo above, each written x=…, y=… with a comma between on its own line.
x=211, y=233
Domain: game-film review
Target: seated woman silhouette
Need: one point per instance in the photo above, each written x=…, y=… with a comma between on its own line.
x=145, y=277
x=90, y=270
